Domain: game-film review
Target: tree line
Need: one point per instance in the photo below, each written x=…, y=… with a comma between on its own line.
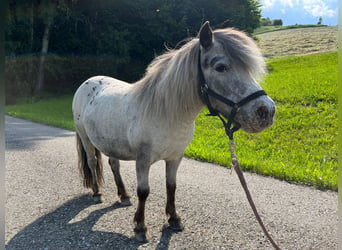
x=53, y=45
x=268, y=22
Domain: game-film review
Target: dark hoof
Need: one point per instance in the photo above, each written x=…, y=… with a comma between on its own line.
x=126, y=202
x=141, y=237
x=176, y=226
x=97, y=199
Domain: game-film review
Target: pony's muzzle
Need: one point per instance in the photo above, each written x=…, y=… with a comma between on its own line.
x=257, y=115
x=264, y=114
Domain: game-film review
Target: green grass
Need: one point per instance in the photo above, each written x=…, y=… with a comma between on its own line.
x=300, y=147
x=52, y=111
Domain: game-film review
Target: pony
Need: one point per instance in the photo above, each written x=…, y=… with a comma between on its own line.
x=154, y=118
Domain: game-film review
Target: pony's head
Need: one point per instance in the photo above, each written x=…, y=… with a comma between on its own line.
x=230, y=63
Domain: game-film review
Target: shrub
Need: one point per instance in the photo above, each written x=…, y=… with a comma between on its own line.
x=278, y=22
x=63, y=74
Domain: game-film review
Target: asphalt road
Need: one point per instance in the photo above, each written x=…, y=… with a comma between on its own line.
x=47, y=207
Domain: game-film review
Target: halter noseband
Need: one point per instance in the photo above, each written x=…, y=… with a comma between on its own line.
x=205, y=92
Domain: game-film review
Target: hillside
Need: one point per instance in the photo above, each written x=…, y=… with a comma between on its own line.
x=301, y=41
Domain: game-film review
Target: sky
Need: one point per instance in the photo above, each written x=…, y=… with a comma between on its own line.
x=301, y=11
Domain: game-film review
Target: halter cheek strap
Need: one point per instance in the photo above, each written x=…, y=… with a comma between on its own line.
x=205, y=92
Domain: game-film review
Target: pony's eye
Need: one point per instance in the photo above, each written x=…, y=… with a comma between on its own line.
x=221, y=68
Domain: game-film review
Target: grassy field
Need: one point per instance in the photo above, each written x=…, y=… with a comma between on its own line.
x=271, y=28
x=51, y=111
x=300, y=147
x=300, y=41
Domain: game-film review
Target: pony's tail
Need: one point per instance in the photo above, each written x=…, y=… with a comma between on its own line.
x=84, y=168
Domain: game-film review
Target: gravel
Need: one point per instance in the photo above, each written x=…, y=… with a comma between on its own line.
x=47, y=207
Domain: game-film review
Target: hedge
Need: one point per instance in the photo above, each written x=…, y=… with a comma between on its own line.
x=63, y=74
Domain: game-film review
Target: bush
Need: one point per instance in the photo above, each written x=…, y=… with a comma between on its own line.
x=278, y=22
x=63, y=74
x=266, y=21
x=20, y=74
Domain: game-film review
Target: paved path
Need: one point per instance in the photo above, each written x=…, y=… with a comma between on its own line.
x=47, y=208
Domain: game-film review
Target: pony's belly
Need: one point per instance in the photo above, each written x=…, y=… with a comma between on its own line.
x=115, y=148
x=168, y=154
x=110, y=138
x=121, y=155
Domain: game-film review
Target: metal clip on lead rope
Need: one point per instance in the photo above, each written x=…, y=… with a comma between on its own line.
x=233, y=156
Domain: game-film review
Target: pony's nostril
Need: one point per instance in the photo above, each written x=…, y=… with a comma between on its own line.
x=262, y=112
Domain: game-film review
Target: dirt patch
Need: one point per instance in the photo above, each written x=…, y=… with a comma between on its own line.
x=301, y=41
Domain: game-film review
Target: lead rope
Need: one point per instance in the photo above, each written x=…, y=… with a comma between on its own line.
x=237, y=168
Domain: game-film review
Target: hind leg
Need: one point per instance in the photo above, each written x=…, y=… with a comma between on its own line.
x=90, y=166
x=93, y=161
x=115, y=166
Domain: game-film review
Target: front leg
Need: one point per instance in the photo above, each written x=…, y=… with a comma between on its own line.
x=143, y=190
x=171, y=173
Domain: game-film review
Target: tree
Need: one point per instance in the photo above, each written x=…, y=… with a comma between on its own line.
x=277, y=22
x=319, y=21
x=48, y=20
x=48, y=11
x=20, y=26
x=266, y=21
x=130, y=32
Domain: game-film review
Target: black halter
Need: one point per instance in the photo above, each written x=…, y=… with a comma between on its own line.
x=205, y=92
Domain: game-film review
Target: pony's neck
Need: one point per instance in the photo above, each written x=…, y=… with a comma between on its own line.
x=188, y=101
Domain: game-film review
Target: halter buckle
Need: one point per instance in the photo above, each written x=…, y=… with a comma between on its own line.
x=204, y=88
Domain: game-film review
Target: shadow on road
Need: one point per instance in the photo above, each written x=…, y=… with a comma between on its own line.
x=165, y=238
x=54, y=230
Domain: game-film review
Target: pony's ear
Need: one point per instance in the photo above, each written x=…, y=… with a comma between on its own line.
x=206, y=35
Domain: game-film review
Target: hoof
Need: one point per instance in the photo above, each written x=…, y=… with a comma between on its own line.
x=97, y=199
x=141, y=237
x=176, y=226
x=126, y=202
